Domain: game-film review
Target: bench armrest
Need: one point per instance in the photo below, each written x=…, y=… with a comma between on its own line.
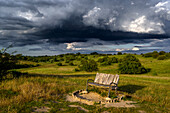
x=90, y=80
x=113, y=83
x=87, y=83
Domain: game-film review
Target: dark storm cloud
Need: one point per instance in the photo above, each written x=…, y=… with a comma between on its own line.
x=53, y=22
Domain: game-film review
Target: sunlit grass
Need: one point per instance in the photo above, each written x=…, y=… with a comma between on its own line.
x=150, y=90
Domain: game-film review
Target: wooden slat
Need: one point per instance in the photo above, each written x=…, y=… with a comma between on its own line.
x=106, y=79
x=97, y=78
x=116, y=79
x=110, y=79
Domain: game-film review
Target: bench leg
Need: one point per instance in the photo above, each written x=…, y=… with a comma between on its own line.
x=87, y=86
x=109, y=91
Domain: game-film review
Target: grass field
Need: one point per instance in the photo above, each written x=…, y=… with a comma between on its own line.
x=49, y=84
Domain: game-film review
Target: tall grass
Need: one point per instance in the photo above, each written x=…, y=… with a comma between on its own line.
x=151, y=91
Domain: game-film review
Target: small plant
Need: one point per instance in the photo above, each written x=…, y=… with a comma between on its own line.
x=154, y=74
x=51, y=60
x=59, y=64
x=76, y=70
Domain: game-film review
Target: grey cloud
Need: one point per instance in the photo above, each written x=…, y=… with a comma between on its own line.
x=52, y=22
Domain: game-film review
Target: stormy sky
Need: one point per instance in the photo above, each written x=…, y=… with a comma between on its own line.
x=50, y=27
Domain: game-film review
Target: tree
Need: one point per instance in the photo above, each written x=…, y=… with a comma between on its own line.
x=94, y=53
x=7, y=62
x=119, y=53
x=131, y=65
x=162, y=53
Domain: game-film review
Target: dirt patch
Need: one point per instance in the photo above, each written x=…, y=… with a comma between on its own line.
x=92, y=98
x=105, y=112
x=140, y=111
x=41, y=109
x=79, y=107
x=62, y=109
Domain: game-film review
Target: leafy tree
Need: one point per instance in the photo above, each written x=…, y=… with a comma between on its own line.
x=162, y=53
x=131, y=65
x=119, y=53
x=94, y=53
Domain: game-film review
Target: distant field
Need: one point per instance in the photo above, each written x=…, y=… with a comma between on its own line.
x=150, y=90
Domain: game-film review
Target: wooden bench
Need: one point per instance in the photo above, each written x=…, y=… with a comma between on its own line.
x=105, y=81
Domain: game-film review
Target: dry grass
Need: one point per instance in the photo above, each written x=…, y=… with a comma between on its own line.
x=151, y=91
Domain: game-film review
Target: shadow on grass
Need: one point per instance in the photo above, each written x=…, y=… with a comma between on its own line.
x=17, y=74
x=130, y=88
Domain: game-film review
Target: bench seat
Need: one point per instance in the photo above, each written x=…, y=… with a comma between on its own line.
x=101, y=85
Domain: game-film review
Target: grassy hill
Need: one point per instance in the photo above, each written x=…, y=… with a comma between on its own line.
x=47, y=84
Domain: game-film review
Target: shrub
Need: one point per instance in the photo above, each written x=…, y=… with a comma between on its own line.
x=114, y=60
x=88, y=65
x=162, y=57
x=147, y=55
x=76, y=70
x=59, y=64
x=167, y=55
x=51, y=60
x=155, y=55
x=131, y=65
x=71, y=63
x=104, y=59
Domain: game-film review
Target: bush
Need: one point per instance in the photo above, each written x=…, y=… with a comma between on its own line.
x=131, y=65
x=59, y=64
x=104, y=59
x=147, y=55
x=76, y=70
x=162, y=57
x=88, y=65
x=155, y=55
x=51, y=60
x=71, y=63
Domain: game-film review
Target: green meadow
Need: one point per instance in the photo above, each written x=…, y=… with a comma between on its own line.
x=47, y=84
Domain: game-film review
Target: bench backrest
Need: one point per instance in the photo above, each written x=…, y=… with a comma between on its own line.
x=106, y=79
